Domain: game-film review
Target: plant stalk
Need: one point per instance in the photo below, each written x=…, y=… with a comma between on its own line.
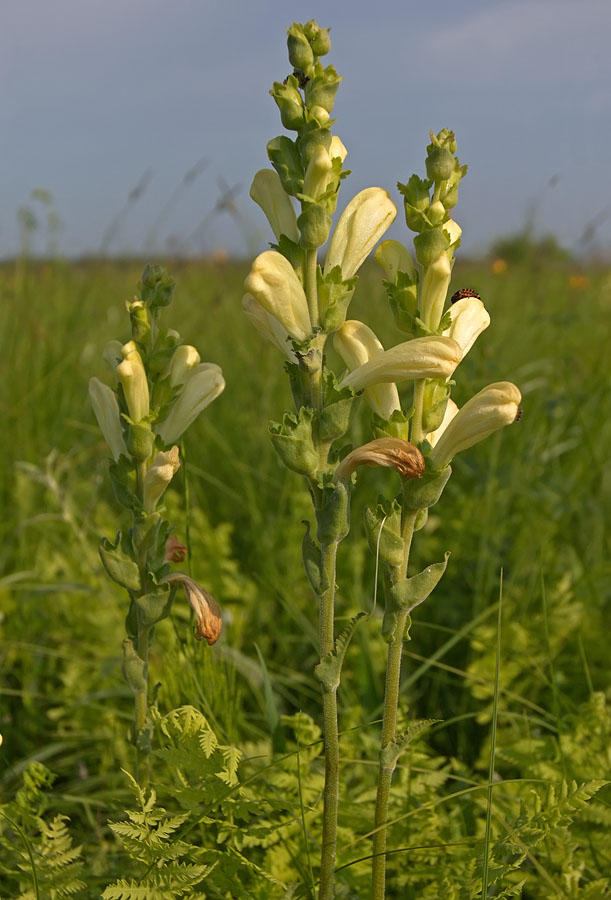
x=330, y=727
x=389, y=726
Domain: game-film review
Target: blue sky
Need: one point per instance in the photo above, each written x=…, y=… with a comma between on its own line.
x=96, y=94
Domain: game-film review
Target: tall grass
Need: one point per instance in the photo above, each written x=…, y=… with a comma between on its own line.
x=533, y=500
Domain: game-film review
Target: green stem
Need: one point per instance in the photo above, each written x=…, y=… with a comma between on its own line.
x=330, y=727
x=389, y=725
x=310, y=286
x=141, y=705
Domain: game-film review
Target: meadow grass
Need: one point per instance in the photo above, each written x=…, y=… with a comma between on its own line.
x=533, y=500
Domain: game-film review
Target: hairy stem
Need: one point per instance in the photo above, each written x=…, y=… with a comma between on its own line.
x=389, y=725
x=330, y=727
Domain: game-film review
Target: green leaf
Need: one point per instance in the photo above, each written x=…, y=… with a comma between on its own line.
x=284, y=157
x=392, y=751
x=328, y=670
x=119, y=566
x=292, y=439
x=310, y=552
x=409, y=593
x=154, y=606
x=333, y=516
x=421, y=493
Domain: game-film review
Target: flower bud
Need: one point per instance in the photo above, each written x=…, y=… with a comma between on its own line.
x=317, y=173
x=156, y=287
x=434, y=291
x=430, y=244
x=336, y=148
x=273, y=283
x=494, y=406
x=360, y=227
x=106, y=410
x=439, y=164
x=436, y=212
x=132, y=376
x=453, y=230
x=469, y=318
x=290, y=103
x=158, y=476
x=267, y=191
x=426, y=357
x=393, y=257
x=267, y=326
x=204, y=383
x=314, y=226
x=322, y=88
x=318, y=37
x=139, y=319
x=357, y=344
x=207, y=611
x=394, y=453
x=183, y=360
x=301, y=55
x=320, y=114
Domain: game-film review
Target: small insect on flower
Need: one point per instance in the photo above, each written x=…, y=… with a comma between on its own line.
x=464, y=292
x=519, y=414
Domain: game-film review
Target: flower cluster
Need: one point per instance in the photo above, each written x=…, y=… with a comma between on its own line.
x=160, y=386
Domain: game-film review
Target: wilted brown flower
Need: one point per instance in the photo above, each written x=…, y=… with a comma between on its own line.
x=174, y=550
x=206, y=609
x=395, y=453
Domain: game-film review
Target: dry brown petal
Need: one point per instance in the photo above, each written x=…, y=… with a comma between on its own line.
x=174, y=550
x=204, y=605
x=395, y=453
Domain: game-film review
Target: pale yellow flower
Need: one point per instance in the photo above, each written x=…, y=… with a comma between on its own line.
x=425, y=357
x=275, y=286
x=360, y=227
x=357, y=344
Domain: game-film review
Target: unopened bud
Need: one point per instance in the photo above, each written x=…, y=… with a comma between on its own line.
x=434, y=290
x=133, y=379
x=439, y=164
x=158, y=476
x=317, y=173
x=301, y=55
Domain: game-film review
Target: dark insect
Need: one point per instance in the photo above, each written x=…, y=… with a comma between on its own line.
x=518, y=414
x=301, y=78
x=462, y=293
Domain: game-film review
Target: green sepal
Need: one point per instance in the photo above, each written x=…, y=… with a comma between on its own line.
x=141, y=327
x=292, y=251
x=389, y=755
x=133, y=668
x=154, y=607
x=311, y=138
x=417, y=201
x=149, y=535
x=167, y=341
x=329, y=669
x=322, y=87
x=290, y=103
x=403, y=299
x=284, y=157
x=449, y=196
x=310, y=552
x=118, y=564
x=430, y=244
x=334, y=296
x=439, y=164
x=292, y=439
x=396, y=426
x=436, y=395
x=422, y=517
x=123, y=479
x=140, y=439
x=163, y=397
x=157, y=287
x=391, y=544
x=314, y=225
x=420, y=493
x=301, y=55
x=300, y=384
x=319, y=38
x=334, y=417
x=333, y=515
